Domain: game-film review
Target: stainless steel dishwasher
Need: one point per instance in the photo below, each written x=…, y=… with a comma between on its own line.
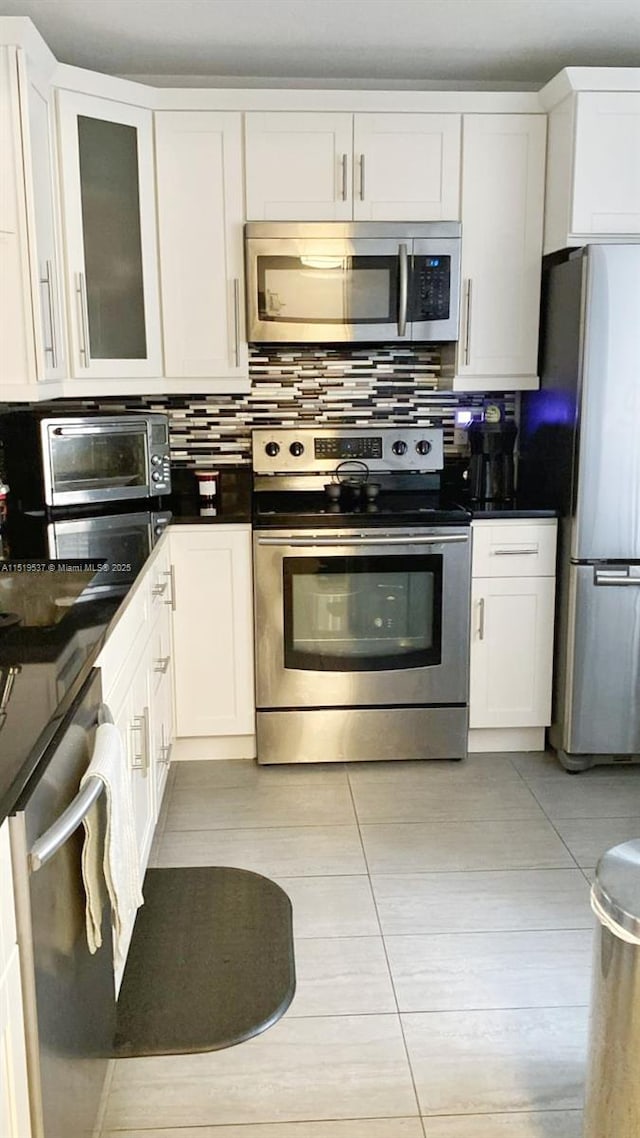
x=68, y=994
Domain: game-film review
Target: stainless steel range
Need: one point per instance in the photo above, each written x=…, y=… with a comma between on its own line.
x=362, y=583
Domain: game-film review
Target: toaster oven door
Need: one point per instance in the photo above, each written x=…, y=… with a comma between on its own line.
x=101, y=461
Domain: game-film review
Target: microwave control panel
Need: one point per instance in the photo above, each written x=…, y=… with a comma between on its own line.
x=432, y=288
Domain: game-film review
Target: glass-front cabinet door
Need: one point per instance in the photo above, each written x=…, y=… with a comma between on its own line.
x=106, y=152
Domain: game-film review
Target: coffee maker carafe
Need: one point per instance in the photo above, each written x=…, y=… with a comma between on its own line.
x=491, y=466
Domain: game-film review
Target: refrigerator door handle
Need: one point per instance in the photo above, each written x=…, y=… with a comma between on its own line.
x=615, y=577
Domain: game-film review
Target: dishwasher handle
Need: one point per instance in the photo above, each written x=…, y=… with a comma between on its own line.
x=67, y=823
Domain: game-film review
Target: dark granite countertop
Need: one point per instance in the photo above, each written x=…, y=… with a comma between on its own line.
x=481, y=511
x=65, y=616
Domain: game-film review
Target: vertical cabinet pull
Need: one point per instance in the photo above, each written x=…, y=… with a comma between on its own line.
x=481, y=619
x=236, y=321
x=343, y=177
x=140, y=725
x=171, y=574
x=165, y=748
x=467, y=323
x=81, y=292
x=362, y=177
x=47, y=280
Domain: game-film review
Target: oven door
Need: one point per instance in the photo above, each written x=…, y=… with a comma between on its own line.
x=302, y=290
x=103, y=461
x=366, y=619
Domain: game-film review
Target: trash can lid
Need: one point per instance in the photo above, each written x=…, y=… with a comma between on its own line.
x=617, y=885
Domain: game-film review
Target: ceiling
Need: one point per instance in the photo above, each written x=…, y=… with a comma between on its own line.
x=417, y=43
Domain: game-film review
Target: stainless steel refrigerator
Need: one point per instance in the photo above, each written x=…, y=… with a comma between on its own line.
x=581, y=452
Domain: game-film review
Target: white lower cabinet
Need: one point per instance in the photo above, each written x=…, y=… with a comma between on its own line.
x=137, y=686
x=512, y=614
x=15, y=1119
x=213, y=636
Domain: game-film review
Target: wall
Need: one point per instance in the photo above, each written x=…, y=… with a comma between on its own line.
x=306, y=385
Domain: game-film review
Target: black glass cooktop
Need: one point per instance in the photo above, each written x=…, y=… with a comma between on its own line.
x=301, y=509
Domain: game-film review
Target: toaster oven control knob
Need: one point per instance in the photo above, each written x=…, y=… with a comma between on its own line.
x=423, y=446
x=156, y=476
x=272, y=449
x=296, y=449
x=156, y=459
x=399, y=447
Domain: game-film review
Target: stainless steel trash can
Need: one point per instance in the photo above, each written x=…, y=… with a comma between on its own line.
x=612, y=1108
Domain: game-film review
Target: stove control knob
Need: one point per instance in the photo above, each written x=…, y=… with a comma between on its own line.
x=296, y=449
x=399, y=447
x=272, y=449
x=423, y=446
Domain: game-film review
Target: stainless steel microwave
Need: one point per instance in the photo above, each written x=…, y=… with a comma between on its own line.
x=331, y=281
x=82, y=460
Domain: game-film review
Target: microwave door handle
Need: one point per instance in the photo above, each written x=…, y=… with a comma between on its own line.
x=403, y=292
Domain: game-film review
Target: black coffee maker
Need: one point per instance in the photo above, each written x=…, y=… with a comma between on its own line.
x=491, y=466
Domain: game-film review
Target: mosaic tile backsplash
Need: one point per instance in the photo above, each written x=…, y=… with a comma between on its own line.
x=306, y=385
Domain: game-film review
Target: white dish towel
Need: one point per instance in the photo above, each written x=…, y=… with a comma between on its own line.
x=120, y=854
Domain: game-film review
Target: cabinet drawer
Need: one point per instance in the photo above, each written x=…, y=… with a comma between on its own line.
x=514, y=549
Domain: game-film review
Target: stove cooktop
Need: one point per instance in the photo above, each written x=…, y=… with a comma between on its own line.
x=303, y=509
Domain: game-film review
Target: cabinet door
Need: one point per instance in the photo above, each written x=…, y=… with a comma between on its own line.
x=108, y=198
x=213, y=631
x=406, y=167
x=503, y=160
x=606, y=174
x=17, y=348
x=14, y=1099
x=200, y=218
x=511, y=651
x=161, y=703
x=42, y=203
x=298, y=166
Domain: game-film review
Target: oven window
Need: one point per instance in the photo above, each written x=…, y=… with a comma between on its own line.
x=362, y=614
x=328, y=289
x=97, y=461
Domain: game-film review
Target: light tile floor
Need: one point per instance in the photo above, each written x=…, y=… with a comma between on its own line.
x=443, y=946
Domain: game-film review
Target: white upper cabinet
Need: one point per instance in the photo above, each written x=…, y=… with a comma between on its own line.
x=299, y=166
x=593, y=176
x=406, y=167
x=339, y=167
x=32, y=324
x=503, y=158
x=108, y=198
x=200, y=218
x=40, y=166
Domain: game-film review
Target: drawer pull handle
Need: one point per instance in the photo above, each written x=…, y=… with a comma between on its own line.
x=162, y=664
x=516, y=551
x=481, y=620
x=140, y=760
x=160, y=589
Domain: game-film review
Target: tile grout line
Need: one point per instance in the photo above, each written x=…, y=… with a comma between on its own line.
x=386, y=956
x=549, y=820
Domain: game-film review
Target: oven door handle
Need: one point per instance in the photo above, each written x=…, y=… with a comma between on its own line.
x=104, y=429
x=384, y=539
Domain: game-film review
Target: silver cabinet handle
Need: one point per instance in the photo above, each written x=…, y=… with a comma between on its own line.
x=165, y=748
x=343, y=178
x=516, y=551
x=171, y=574
x=162, y=664
x=467, y=323
x=81, y=291
x=236, y=321
x=348, y=542
x=140, y=724
x=607, y=577
x=160, y=589
x=47, y=280
x=403, y=292
x=481, y=619
x=362, y=177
